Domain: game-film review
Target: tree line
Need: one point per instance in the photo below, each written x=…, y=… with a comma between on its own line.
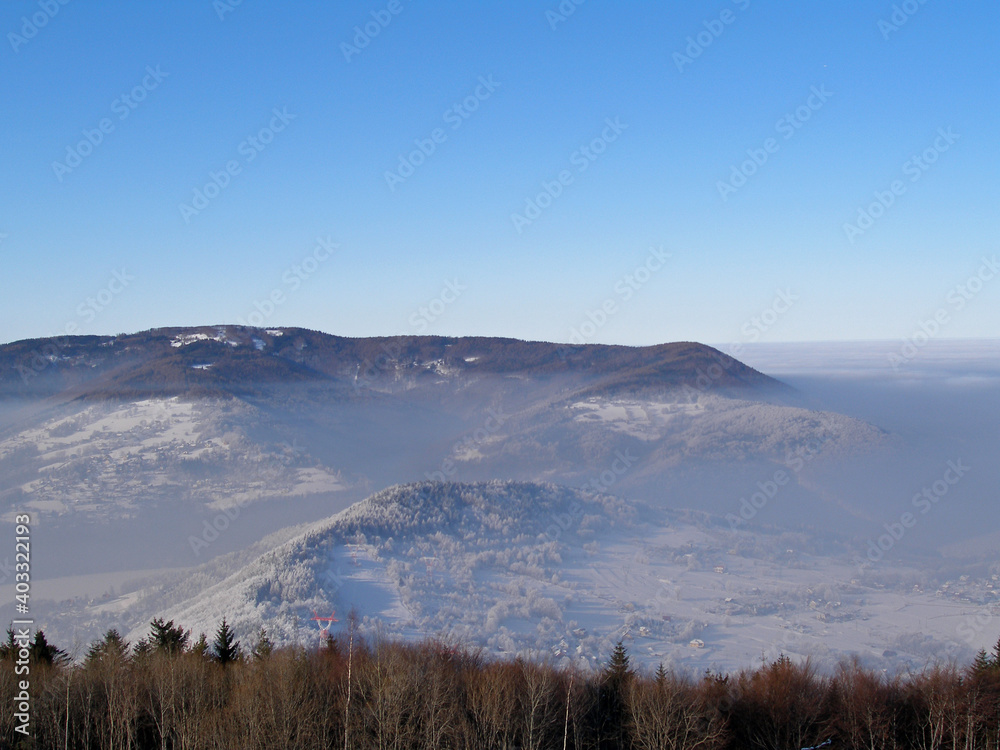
x=168, y=691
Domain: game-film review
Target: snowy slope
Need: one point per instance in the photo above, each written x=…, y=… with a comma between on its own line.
x=517, y=567
x=112, y=459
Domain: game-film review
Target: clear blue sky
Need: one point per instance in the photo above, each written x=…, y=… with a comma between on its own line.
x=683, y=124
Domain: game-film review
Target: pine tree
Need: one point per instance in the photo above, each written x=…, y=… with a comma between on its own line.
x=613, y=694
x=142, y=648
x=8, y=648
x=227, y=648
x=42, y=651
x=167, y=638
x=200, y=648
x=983, y=663
x=618, y=669
x=263, y=648
x=112, y=646
x=661, y=676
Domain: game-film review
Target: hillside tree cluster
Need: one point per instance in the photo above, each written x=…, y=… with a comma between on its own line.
x=169, y=691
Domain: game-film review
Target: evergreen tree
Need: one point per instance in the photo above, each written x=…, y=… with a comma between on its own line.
x=982, y=663
x=661, y=676
x=227, y=648
x=8, y=648
x=43, y=652
x=613, y=694
x=142, y=648
x=166, y=638
x=263, y=648
x=112, y=646
x=200, y=648
x=618, y=669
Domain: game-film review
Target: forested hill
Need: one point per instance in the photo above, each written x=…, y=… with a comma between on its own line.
x=221, y=360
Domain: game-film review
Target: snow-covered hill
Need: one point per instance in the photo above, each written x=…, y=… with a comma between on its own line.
x=110, y=460
x=563, y=573
x=112, y=437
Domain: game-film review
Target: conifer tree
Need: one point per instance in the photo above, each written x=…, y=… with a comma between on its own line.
x=8, y=648
x=618, y=669
x=263, y=648
x=613, y=694
x=982, y=662
x=226, y=647
x=44, y=652
x=661, y=676
x=200, y=647
x=112, y=646
x=168, y=638
x=142, y=648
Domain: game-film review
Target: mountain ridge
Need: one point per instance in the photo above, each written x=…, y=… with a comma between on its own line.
x=236, y=360
x=285, y=425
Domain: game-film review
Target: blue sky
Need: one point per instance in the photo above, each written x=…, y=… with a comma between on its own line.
x=839, y=98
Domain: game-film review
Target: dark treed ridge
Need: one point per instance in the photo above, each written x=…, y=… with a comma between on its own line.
x=435, y=695
x=170, y=361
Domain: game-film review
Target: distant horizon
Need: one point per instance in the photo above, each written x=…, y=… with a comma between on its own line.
x=714, y=344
